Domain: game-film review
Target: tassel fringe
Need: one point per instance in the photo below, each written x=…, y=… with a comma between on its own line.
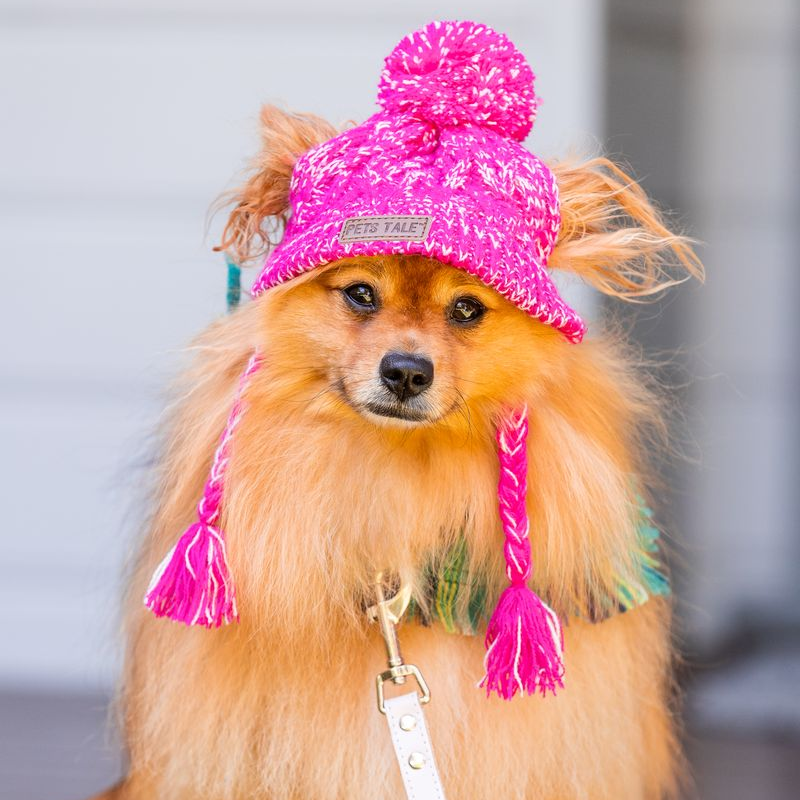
x=193, y=584
x=524, y=646
x=524, y=640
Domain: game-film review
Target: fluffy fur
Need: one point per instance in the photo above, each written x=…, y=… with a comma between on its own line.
x=321, y=494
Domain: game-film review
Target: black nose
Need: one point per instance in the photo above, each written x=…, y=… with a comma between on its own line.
x=406, y=374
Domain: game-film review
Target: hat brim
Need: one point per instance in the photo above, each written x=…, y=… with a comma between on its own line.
x=496, y=258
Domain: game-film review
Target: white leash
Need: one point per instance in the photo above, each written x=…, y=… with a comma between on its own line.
x=412, y=745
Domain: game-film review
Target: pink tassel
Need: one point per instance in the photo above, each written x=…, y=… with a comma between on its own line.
x=524, y=646
x=524, y=641
x=193, y=584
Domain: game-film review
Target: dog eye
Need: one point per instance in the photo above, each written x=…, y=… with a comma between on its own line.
x=467, y=309
x=361, y=296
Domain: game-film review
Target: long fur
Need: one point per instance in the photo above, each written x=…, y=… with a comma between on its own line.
x=281, y=705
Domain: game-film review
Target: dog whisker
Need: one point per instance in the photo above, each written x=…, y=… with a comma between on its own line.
x=463, y=409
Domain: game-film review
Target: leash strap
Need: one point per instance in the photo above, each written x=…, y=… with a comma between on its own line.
x=412, y=746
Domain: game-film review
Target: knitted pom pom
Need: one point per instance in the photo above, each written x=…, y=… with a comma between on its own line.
x=460, y=73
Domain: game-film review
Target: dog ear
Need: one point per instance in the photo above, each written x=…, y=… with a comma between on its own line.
x=262, y=202
x=613, y=237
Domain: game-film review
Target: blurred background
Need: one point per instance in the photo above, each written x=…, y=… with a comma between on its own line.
x=122, y=120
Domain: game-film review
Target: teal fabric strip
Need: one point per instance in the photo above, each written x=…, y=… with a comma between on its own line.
x=234, y=293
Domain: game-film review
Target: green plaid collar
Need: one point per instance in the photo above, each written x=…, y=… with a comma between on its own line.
x=458, y=601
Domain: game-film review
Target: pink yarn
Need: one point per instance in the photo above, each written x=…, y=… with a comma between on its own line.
x=456, y=100
x=193, y=583
x=457, y=73
x=524, y=641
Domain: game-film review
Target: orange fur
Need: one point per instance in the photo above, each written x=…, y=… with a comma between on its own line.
x=319, y=496
x=613, y=237
x=264, y=198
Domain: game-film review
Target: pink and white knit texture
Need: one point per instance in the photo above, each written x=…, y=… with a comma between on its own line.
x=457, y=99
x=524, y=641
x=193, y=584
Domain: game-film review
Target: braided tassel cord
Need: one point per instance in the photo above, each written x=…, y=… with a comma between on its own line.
x=193, y=583
x=524, y=641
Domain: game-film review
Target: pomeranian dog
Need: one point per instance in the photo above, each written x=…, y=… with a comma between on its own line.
x=368, y=443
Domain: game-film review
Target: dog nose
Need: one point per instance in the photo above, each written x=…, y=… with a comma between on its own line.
x=406, y=374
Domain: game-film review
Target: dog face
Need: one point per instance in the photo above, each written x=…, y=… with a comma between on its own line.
x=406, y=341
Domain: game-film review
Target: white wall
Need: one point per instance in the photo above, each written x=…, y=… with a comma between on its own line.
x=121, y=122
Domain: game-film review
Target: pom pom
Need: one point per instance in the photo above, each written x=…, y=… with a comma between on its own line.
x=524, y=646
x=460, y=73
x=193, y=583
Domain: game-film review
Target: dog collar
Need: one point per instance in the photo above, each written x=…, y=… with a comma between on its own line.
x=449, y=584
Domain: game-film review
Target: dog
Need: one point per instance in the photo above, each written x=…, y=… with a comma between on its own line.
x=368, y=444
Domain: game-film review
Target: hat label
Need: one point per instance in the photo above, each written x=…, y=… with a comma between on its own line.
x=405, y=227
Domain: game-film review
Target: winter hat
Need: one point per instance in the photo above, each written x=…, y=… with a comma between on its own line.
x=440, y=171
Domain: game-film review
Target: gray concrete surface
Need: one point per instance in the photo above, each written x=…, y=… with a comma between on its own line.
x=57, y=747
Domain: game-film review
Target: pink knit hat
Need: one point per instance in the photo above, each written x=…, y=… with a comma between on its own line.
x=440, y=172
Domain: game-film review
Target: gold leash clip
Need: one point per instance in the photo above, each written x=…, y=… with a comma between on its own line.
x=388, y=613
